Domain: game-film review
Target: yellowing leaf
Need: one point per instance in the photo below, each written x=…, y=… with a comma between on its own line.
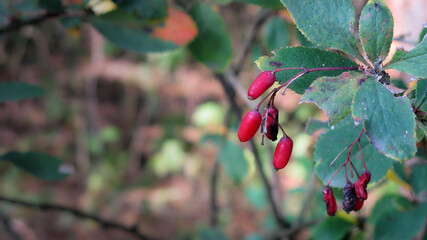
x=179, y=28
x=391, y=175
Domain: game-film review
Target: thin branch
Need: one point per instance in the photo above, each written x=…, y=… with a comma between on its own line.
x=15, y=25
x=307, y=199
x=260, y=19
x=213, y=201
x=104, y=223
x=277, y=214
x=214, y=176
x=9, y=228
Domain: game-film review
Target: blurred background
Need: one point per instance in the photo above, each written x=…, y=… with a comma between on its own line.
x=143, y=133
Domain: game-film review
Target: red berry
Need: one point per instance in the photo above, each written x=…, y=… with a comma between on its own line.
x=361, y=184
x=249, y=126
x=283, y=152
x=272, y=122
x=348, y=197
x=358, y=204
x=330, y=202
x=261, y=83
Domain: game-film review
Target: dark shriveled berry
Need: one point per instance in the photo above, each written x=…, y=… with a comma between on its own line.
x=249, y=126
x=272, y=123
x=261, y=83
x=330, y=202
x=283, y=152
x=348, y=197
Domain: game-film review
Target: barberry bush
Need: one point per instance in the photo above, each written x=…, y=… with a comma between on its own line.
x=375, y=125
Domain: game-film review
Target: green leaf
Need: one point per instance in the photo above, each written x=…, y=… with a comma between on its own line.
x=303, y=57
x=332, y=228
x=386, y=204
x=332, y=142
x=276, y=33
x=15, y=91
x=255, y=195
x=51, y=5
x=273, y=4
x=399, y=169
x=211, y=234
x=127, y=32
x=303, y=40
x=389, y=121
x=421, y=94
x=401, y=225
x=334, y=95
x=212, y=46
x=233, y=160
x=376, y=30
x=314, y=125
x=423, y=33
x=40, y=165
x=146, y=9
x=418, y=178
x=3, y=11
x=328, y=23
x=413, y=62
x=221, y=2
x=422, y=126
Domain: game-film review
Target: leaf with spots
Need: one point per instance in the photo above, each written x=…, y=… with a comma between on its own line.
x=333, y=141
x=413, y=62
x=303, y=57
x=376, y=30
x=328, y=23
x=334, y=95
x=389, y=122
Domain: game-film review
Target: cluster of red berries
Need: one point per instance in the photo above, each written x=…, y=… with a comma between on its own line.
x=269, y=121
x=353, y=195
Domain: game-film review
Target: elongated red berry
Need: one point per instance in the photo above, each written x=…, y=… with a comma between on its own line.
x=361, y=184
x=358, y=204
x=249, y=126
x=330, y=202
x=272, y=123
x=348, y=197
x=261, y=83
x=283, y=152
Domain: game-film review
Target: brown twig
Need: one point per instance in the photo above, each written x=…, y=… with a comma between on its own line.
x=259, y=21
x=15, y=25
x=214, y=177
x=133, y=230
x=9, y=228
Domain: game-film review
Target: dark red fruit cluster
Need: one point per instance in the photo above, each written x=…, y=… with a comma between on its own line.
x=269, y=122
x=353, y=195
x=330, y=202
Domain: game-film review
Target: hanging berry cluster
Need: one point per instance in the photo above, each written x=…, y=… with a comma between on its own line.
x=353, y=194
x=269, y=121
